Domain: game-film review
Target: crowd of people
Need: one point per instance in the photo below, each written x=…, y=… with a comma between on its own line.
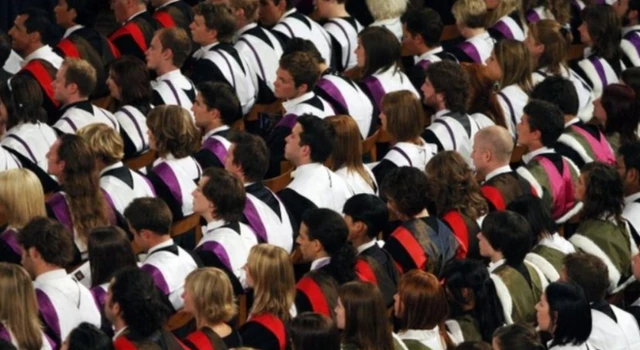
x=352, y=174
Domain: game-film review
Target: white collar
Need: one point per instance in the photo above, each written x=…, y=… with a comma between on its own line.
x=420, y=334
x=573, y=120
x=119, y=333
x=284, y=15
x=626, y=30
x=71, y=30
x=166, y=4
x=482, y=36
x=557, y=242
x=304, y=169
x=167, y=243
x=366, y=246
x=440, y=113
x=211, y=132
x=386, y=22
x=52, y=275
x=429, y=53
x=501, y=170
x=289, y=104
x=244, y=29
x=134, y=15
x=212, y=225
x=494, y=265
x=112, y=166
x=170, y=75
x=43, y=53
x=208, y=47
x=527, y=157
x=320, y=262
x=631, y=198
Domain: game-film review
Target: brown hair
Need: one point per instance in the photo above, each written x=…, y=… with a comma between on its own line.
x=302, y=67
x=105, y=142
x=81, y=73
x=482, y=95
x=250, y=8
x=556, y=40
x=470, y=13
x=405, y=116
x=173, y=130
x=218, y=17
x=19, y=306
x=515, y=64
x=177, y=40
x=347, y=147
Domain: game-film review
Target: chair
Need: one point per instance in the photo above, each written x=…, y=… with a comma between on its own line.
x=275, y=107
x=449, y=32
x=369, y=146
x=354, y=73
x=243, y=312
x=576, y=52
x=178, y=320
x=518, y=152
x=238, y=125
x=279, y=182
x=141, y=160
x=186, y=225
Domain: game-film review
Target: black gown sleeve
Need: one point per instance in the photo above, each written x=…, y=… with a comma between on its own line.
x=206, y=159
x=255, y=335
x=430, y=137
x=163, y=192
x=209, y=259
x=381, y=170
x=296, y=204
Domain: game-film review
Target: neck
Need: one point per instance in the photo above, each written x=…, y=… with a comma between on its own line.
x=100, y=164
x=133, y=10
x=208, y=42
x=323, y=67
x=423, y=214
x=44, y=268
x=298, y=95
x=118, y=324
x=302, y=162
x=496, y=257
x=631, y=190
x=68, y=25
x=568, y=117
x=31, y=49
x=320, y=255
x=158, y=239
x=208, y=217
x=74, y=99
x=534, y=147
x=212, y=126
x=424, y=48
x=338, y=10
x=166, y=68
x=362, y=240
x=220, y=328
x=471, y=32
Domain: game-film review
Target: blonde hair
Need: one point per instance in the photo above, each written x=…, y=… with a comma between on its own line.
x=22, y=196
x=386, y=9
x=104, y=142
x=19, y=306
x=515, y=62
x=273, y=281
x=212, y=295
x=250, y=8
x=82, y=73
x=505, y=7
x=173, y=130
x=470, y=13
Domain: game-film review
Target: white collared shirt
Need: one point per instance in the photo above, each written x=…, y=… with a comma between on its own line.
x=290, y=104
x=558, y=242
x=501, y=170
x=119, y=333
x=542, y=150
x=428, y=54
x=203, y=49
x=212, y=225
x=44, y=53
x=494, y=265
x=71, y=30
x=112, y=166
x=166, y=4
x=244, y=29
x=440, y=114
x=318, y=263
x=573, y=120
x=366, y=246
x=284, y=15
x=626, y=30
x=52, y=275
x=631, y=198
x=213, y=131
x=167, y=243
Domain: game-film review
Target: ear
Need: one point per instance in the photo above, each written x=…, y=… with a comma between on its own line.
x=282, y=6
x=633, y=14
x=34, y=37
x=167, y=54
x=240, y=13
x=632, y=175
x=317, y=246
x=537, y=134
x=33, y=253
x=304, y=88
x=74, y=14
x=63, y=165
x=215, y=113
x=213, y=34
x=360, y=227
x=305, y=150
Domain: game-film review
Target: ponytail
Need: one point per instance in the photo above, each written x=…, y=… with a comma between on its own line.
x=343, y=264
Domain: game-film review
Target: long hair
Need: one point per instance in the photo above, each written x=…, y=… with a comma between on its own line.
x=382, y=50
x=131, y=76
x=619, y=102
x=366, y=325
x=515, y=64
x=22, y=97
x=22, y=196
x=453, y=186
x=405, y=116
x=604, y=29
x=273, y=281
x=81, y=183
x=313, y=331
x=505, y=8
x=109, y=251
x=570, y=313
x=212, y=294
x=556, y=40
x=19, y=307
x=474, y=276
x=604, y=196
x=482, y=94
x=423, y=304
x=347, y=149
x=173, y=130
x=537, y=214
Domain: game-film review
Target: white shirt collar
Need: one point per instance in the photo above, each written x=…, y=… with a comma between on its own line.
x=44, y=53
x=170, y=75
x=289, y=104
x=571, y=122
x=71, y=30
x=167, y=4
x=203, y=49
x=318, y=263
x=631, y=198
x=527, y=157
x=626, y=30
x=284, y=15
x=386, y=22
x=112, y=166
x=212, y=225
x=482, y=36
x=302, y=170
x=134, y=15
x=420, y=334
x=557, y=242
x=119, y=333
x=244, y=29
x=220, y=128
x=426, y=55
x=494, y=265
x=366, y=246
x=501, y=170
x=165, y=244
x=52, y=275
x=440, y=113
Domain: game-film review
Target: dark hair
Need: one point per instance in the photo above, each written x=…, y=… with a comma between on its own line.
x=221, y=96
x=52, y=240
x=132, y=77
x=151, y=214
x=630, y=76
x=302, y=67
x=312, y=331
x=5, y=47
x=302, y=45
x=331, y=230
x=22, y=96
x=88, y=336
x=177, y=40
x=368, y=209
x=407, y=187
x=38, y=21
x=508, y=233
x=589, y=272
x=570, y=312
x=251, y=153
x=620, y=103
x=382, y=50
x=141, y=304
x=218, y=17
x=474, y=276
x=86, y=11
x=109, y=251
x=604, y=192
x=426, y=23
x=605, y=31
x=226, y=191
x=631, y=154
x=473, y=345
x=537, y=214
x=448, y=78
x=559, y=91
x=318, y=134
x=547, y=118
x=517, y=336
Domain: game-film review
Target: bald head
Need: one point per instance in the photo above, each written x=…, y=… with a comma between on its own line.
x=492, y=147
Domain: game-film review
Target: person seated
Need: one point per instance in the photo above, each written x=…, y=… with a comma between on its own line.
x=172, y=13
x=492, y=147
x=551, y=175
x=217, y=59
x=476, y=311
x=516, y=336
x=263, y=211
x=120, y=183
x=628, y=166
x=297, y=76
x=80, y=205
x=9, y=64
x=470, y=18
x=615, y=114
x=581, y=142
x=505, y=239
x=167, y=263
x=402, y=117
x=388, y=14
x=505, y=20
x=630, y=26
x=129, y=85
x=314, y=186
x=483, y=104
x=421, y=241
x=208, y=296
x=21, y=199
x=612, y=327
x=219, y=199
x=175, y=173
x=63, y=302
x=549, y=247
x=137, y=312
x=74, y=82
x=309, y=330
x=273, y=302
x=216, y=109
x=343, y=30
x=457, y=198
x=88, y=336
x=168, y=51
x=136, y=30
x=602, y=231
x=323, y=243
x=28, y=137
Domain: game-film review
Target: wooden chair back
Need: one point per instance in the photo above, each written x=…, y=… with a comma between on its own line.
x=279, y=182
x=141, y=160
x=518, y=152
x=275, y=107
x=186, y=225
x=178, y=320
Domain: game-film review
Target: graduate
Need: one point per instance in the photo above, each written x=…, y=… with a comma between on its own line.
x=217, y=59
x=615, y=114
x=470, y=19
x=172, y=13
x=63, y=302
x=168, y=264
x=630, y=43
x=628, y=166
x=136, y=30
x=343, y=30
x=505, y=21
x=387, y=14
x=219, y=199
x=263, y=211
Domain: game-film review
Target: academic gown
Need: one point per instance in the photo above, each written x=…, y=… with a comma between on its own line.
x=598, y=72
x=205, y=339
x=173, y=88
x=215, y=146
x=174, y=180
x=512, y=100
x=174, y=14
x=417, y=70
x=133, y=38
x=7, y=336
x=266, y=332
x=613, y=328
x=630, y=46
x=99, y=294
x=344, y=40
x=80, y=114
x=465, y=230
x=317, y=291
x=161, y=339
x=133, y=129
x=631, y=213
x=383, y=82
x=509, y=27
x=403, y=154
x=369, y=270
x=294, y=24
x=584, y=91
x=519, y=289
x=123, y=185
x=475, y=49
x=584, y=143
x=44, y=73
x=10, y=250
x=502, y=189
x=464, y=327
x=452, y=131
x=266, y=214
x=547, y=255
x=421, y=339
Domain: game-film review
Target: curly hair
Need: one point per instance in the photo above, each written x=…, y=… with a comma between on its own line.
x=449, y=78
x=604, y=195
x=452, y=185
x=407, y=188
x=173, y=130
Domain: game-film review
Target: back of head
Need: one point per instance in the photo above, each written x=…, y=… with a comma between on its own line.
x=423, y=301
x=405, y=115
x=482, y=95
x=448, y=78
x=302, y=67
x=52, y=241
x=226, y=192
x=303, y=45
x=88, y=336
x=386, y=9
x=86, y=11
x=131, y=76
x=81, y=73
x=631, y=78
x=589, y=272
x=517, y=336
x=406, y=189
x=212, y=295
x=558, y=91
x=218, y=17
x=250, y=7
x=268, y=263
x=37, y=20
x=109, y=251
x=347, y=144
x=177, y=40
x=368, y=209
x=312, y=331
x=22, y=196
x=173, y=130
x=470, y=13
x=318, y=135
x=498, y=141
x=604, y=26
x=221, y=96
x=105, y=142
x=620, y=104
x=604, y=192
x=570, y=313
x=250, y=153
x=150, y=214
x=508, y=233
x=22, y=97
x=546, y=118
x=5, y=47
x=537, y=214
x=630, y=154
x=426, y=23
x=382, y=49
x=515, y=63
x=556, y=40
